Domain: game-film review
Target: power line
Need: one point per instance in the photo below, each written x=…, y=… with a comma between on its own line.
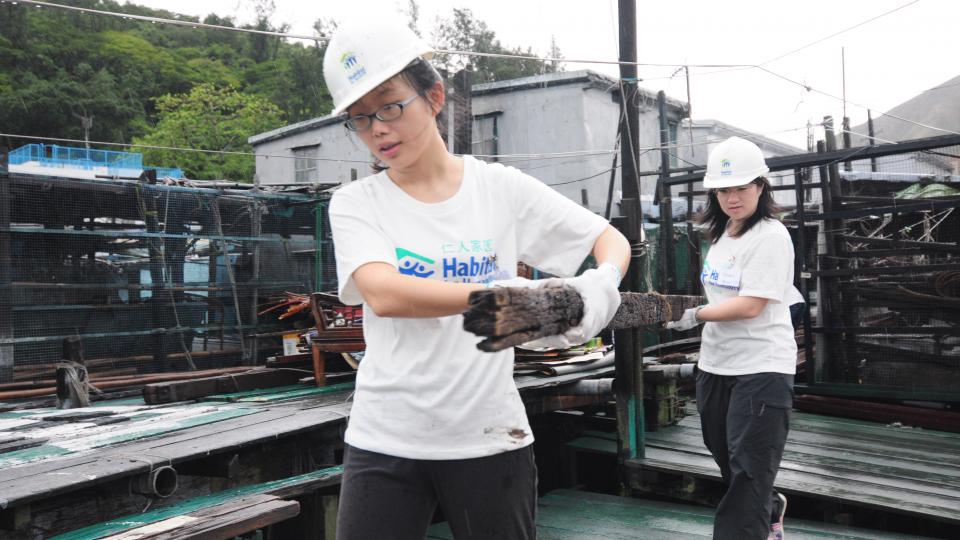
x=827, y=94
x=315, y=38
x=605, y=171
x=835, y=34
x=155, y=20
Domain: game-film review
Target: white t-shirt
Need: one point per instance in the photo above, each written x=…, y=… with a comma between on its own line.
x=424, y=390
x=759, y=263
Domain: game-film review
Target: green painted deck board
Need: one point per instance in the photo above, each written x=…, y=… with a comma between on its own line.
x=861, y=463
x=138, y=520
x=280, y=393
x=577, y=515
x=142, y=424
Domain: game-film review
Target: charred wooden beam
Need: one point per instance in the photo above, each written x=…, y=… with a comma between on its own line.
x=509, y=316
x=173, y=391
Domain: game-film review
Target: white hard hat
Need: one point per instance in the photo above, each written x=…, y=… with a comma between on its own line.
x=734, y=162
x=364, y=53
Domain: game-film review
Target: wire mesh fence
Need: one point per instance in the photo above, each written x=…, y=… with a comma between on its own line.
x=150, y=277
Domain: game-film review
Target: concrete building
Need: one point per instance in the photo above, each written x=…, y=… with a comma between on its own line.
x=560, y=128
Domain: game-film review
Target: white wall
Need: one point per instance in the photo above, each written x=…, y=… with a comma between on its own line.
x=336, y=143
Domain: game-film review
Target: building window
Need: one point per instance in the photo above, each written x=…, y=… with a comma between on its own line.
x=485, y=135
x=305, y=164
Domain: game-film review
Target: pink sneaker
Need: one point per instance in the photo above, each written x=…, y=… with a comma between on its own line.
x=776, y=528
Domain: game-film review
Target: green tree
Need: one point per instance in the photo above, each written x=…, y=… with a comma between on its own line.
x=209, y=118
x=464, y=32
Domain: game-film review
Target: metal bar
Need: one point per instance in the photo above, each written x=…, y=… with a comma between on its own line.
x=875, y=271
x=134, y=234
x=188, y=286
x=155, y=331
x=892, y=330
x=930, y=246
x=6, y=271
x=863, y=390
x=912, y=206
x=863, y=152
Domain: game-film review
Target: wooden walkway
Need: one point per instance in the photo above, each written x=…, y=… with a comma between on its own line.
x=899, y=470
x=579, y=515
x=63, y=469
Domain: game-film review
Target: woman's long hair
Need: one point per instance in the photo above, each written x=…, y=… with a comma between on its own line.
x=716, y=220
x=421, y=76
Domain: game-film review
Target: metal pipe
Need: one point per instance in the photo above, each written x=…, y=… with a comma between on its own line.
x=663, y=372
x=589, y=387
x=159, y=483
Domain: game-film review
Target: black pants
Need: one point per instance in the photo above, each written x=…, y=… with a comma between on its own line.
x=744, y=420
x=385, y=497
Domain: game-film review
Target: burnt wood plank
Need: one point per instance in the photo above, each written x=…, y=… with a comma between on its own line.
x=509, y=316
x=225, y=521
x=284, y=488
x=170, y=392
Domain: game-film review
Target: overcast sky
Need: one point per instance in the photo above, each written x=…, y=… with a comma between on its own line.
x=888, y=60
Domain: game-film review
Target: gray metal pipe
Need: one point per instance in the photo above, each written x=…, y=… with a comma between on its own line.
x=670, y=371
x=159, y=483
x=589, y=387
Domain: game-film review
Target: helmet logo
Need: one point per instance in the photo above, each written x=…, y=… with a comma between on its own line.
x=725, y=166
x=349, y=62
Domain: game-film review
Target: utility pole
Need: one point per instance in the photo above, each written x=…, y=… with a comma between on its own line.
x=86, y=122
x=629, y=395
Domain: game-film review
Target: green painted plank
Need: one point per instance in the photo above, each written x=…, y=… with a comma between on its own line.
x=829, y=487
x=139, y=520
x=880, y=444
x=199, y=420
x=127, y=432
x=235, y=396
x=875, y=462
x=849, y=468
x=573, y=515
x=26, y=455
x=293, y=394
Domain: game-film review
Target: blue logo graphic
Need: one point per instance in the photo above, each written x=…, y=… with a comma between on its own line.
x=348, y=59
x=413, y=264
x=725, y=167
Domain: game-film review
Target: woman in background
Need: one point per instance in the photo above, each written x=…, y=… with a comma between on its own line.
x=748, y=352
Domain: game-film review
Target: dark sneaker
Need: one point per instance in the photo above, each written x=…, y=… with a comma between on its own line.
x=776, y=528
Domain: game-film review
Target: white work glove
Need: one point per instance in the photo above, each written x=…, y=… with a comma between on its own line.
x=601, y=298
x=687, y=321
x=520, y=282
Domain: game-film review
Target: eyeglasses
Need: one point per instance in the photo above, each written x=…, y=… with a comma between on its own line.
x=387, y=113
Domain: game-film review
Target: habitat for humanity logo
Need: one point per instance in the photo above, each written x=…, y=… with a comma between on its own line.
x=413, y=264
x=725, y=167
x=349, y=61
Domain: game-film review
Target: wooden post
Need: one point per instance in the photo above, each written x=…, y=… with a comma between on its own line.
x=629, y=390
x=847, y=165
x=158, y=282
x=667, y=267
x=6, y=274
x=255, y=226
x=873, y=160
x=802, y=270
x=72, y=389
